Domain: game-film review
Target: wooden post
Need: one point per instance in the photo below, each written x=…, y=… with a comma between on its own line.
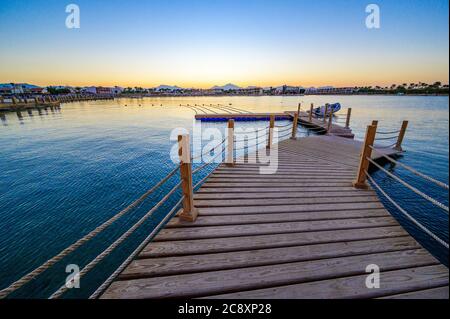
x=295, y=125
x=230, y=151
x=36, y=102
x=401, y=136
x=14, y=101
x=330, y=121
x=375, y=123
x=349, y=114
x=271, y=128
x=189, y=212
x=299, y=108
x=325, y=113
x=311, y=110
x=364, y=163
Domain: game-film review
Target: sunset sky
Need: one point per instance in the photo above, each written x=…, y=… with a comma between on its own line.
x=203, y=43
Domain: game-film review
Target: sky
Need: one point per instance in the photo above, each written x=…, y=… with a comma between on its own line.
x=201, y=43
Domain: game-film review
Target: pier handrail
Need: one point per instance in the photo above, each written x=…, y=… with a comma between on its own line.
x=404, y=212
x=366, y=160
x=415, y=190
x=141, y=246
x=412, y=170
x=52, y=261
x=117, y=242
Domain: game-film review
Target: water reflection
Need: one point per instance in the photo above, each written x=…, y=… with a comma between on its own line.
x=24, y=116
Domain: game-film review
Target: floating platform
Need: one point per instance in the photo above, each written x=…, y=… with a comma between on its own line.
x=242, y=117
x=303, y=232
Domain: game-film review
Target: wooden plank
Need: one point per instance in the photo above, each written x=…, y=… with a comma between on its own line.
x=278, y=184
x=299, y=190
x=227, y=281
x=190, y=233
x=392, y=282
x=276, y=218
x=282, y=201
x=153, y=267
x=433, y=293
x=215, y=245
x=245, y=195
x=287, y=208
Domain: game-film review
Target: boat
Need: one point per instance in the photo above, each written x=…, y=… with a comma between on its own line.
x=320, y=111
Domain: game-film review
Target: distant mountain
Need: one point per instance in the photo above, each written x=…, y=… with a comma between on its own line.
x=226, y=87
x=23, y=85
x=167, y=87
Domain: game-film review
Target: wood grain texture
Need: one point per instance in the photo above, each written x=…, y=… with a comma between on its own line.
x=303, y=232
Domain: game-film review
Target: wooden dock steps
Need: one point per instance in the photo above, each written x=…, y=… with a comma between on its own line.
x=304, y=232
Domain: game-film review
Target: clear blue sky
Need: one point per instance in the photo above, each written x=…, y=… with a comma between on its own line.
x=202, y=43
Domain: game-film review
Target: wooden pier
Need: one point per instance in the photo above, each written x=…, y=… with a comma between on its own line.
x=53, y=101
x=313, y=227
x=304, y=232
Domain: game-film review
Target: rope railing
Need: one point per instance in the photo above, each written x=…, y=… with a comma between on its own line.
x=386, y=138
x=207, y=163
x=64, y=253
x=254, y=131
x=412, y=170
x=212, y=149
x=404, y=212
x=386, y=146
x=117, y=242
x=389, y=133
x=363, y=175
x=283, y=126
x=412, y=188
x=134, y=254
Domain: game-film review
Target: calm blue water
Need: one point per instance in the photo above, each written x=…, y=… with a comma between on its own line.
x=62, y=173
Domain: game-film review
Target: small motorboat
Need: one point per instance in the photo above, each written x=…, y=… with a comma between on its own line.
x=320, y=111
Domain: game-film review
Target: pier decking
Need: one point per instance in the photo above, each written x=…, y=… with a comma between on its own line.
x=303, y=232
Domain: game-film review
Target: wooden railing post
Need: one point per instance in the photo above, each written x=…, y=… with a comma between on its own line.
x=271, y=128
x=230, y=150
x=311, y=110
x=330, y=121
x=189, y=212
x=295, y=126
x=325, y=113
x=401, y=136
x=349, y=114
x=364, y=163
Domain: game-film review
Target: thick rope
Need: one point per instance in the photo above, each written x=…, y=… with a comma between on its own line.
x=386, y=138
x=207, y=163
x=415, y=190
x=133, y=255
x=387, y=146
x=49, y=263
x=426, y=230
x=206, y=153
x=283, y=126
x=255, y=131
x=117, y=242
x=412, y=170
x=389, y=133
